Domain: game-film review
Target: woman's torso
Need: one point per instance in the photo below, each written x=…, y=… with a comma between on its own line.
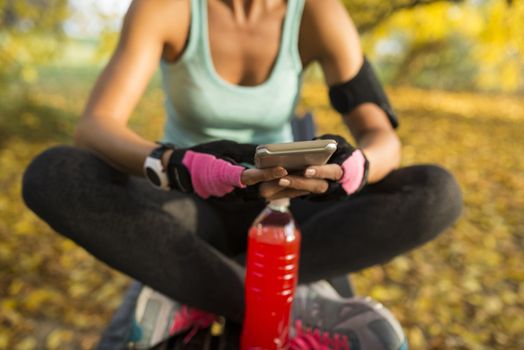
x=234, y=84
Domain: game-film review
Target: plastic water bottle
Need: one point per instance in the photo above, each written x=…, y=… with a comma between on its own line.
x=271, y=278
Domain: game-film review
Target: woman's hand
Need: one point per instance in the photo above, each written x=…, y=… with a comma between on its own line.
x=313, y=180
x=252, y=177
x=354, y=166
x=214, y=169
x=344, y=175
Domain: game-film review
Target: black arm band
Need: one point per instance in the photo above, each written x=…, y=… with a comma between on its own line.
x=364, y=87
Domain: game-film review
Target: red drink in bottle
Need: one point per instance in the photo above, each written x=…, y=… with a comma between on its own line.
x=271, y=278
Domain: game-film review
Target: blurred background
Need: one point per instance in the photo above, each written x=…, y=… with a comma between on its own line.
x=455, y=74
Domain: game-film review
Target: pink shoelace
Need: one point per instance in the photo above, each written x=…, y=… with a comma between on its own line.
x=193, y=319
x=314, y=339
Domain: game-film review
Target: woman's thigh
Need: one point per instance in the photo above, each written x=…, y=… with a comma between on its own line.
x=409, y=207
x=68, y=186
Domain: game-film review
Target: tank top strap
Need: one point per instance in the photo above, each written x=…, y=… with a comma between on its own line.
x=194, y=35
x=295, y=19
x=200, y=18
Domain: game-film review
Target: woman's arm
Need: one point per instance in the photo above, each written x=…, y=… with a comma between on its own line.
x=329, y=36
x=103, y=126
x=103, y=130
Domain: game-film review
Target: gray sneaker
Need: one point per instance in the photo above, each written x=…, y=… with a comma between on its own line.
x=157, y=318
x=324, y=320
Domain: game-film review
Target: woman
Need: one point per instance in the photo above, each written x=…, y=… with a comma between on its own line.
x=232, y=71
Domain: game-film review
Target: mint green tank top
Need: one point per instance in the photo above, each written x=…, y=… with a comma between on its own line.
x=201, y=106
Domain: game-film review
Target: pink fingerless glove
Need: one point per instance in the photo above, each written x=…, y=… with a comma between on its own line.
x=354, y=169
x=354, y=166
x=211, y=176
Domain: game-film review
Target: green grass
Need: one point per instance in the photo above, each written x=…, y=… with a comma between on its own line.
x=465, y=290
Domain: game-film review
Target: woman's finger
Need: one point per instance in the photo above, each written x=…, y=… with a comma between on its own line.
x=254, y=176
x=328, y=171
x=271, y=190
x=288, y=193
x=304, y=184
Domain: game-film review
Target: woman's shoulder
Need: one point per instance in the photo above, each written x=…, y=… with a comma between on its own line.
x=325, y=15
x=166, y=19
x=328, y=35
x=159, y=9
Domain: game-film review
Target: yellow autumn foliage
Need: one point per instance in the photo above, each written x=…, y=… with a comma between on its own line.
x=492, y=31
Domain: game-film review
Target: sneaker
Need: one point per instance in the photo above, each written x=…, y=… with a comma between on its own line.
x=323, y=321
x=222, y=335
x=157, y=318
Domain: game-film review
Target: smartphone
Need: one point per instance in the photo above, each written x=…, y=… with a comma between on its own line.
x=294, y=155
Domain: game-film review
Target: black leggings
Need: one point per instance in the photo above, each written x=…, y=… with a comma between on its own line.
x=192, y=249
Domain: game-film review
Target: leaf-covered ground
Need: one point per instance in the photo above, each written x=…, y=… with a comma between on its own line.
x=464, y=290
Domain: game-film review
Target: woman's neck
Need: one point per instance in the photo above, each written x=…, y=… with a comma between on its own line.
x=249, y=11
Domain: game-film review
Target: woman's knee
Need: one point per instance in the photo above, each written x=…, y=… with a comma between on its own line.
x=440, y=201
x=447, y=195
x=40, y=175
x=52, y=172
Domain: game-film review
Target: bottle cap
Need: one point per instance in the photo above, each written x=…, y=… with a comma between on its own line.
x=279, y=203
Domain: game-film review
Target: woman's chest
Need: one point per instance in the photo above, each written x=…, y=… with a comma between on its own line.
x=241, y=53
x=244, y=54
